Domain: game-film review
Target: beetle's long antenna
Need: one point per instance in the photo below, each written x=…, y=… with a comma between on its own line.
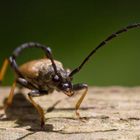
x=109, y=38
x=46, y=49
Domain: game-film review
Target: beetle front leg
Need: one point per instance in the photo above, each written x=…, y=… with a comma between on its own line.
x=78, y=87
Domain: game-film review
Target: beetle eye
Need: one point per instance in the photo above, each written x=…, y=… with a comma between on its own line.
x=56, y=78
x=66, y=85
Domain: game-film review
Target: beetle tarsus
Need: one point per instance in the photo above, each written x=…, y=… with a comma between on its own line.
x=42, y=125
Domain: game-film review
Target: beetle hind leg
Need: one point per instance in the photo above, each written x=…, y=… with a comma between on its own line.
x=3, y=69
x=10, y=97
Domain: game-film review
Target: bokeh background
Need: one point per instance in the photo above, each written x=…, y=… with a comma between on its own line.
x=72, y=29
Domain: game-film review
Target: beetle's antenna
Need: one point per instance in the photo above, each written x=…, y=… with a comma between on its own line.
x=109, y=38
x=46, y=49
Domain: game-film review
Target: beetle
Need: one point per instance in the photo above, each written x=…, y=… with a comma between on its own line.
x=43, y=76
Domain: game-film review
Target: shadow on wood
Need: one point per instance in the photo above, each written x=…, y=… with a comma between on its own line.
x=22, y=111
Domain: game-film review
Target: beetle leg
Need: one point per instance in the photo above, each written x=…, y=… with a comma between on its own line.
x=37, y=107
x=10, y=97
x=78, y=87
x=3, y=70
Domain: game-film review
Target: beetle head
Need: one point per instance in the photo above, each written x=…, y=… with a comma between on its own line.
x=63, y=83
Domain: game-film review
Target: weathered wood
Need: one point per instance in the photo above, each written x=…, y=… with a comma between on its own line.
x=110, y=112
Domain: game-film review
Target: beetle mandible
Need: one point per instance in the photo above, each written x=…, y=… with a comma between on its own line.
x=43, y=76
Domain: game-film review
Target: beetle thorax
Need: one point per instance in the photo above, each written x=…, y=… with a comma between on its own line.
x=47, y=75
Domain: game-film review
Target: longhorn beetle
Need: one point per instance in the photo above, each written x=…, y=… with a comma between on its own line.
x=43, y=76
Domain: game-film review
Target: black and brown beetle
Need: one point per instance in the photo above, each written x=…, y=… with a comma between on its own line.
x=43, y=76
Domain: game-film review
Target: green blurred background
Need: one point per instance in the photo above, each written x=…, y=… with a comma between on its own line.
x=72, y=29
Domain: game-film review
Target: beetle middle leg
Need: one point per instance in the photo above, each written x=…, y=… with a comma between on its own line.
x=78, y=87
x=31, y=94
x=34, y=93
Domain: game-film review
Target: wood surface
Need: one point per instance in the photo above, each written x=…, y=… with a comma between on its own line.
x=109, y=113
